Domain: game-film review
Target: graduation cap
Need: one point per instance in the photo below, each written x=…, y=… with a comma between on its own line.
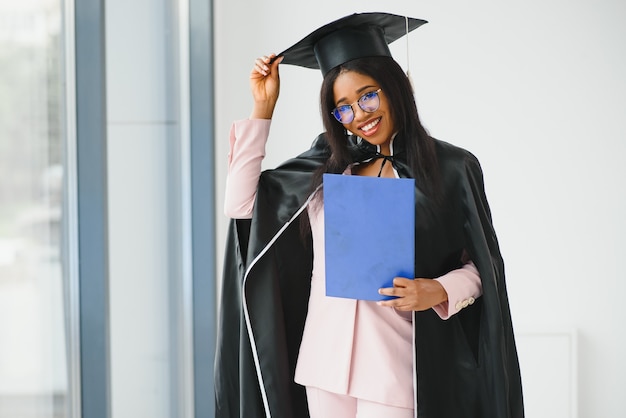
x=355, y=36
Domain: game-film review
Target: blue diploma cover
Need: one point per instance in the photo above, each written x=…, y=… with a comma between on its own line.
x=369, y=233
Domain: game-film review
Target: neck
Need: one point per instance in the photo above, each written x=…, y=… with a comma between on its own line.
x=387, y=147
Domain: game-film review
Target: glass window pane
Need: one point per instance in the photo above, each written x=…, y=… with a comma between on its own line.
x=33, y=367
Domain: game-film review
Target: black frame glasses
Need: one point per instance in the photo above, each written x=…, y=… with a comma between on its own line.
x=369, y=102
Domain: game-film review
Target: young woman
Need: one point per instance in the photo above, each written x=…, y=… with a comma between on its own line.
x=443, y=346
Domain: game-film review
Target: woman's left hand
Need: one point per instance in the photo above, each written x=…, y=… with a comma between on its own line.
x=414, y=294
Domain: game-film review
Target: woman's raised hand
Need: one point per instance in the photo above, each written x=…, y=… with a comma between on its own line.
x=265, y=86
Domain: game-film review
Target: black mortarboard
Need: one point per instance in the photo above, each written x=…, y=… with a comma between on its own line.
x=355, y=36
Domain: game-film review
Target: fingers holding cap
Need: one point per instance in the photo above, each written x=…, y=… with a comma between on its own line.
x=266, y=63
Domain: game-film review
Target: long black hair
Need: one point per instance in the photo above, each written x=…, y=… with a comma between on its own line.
x=419, y=147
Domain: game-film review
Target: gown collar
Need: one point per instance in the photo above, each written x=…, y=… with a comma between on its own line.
x=364, y=152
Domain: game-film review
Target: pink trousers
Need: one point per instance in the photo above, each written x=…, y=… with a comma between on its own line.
x=324, y=404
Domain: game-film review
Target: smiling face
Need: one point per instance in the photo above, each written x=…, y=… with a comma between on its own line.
x=376, y=127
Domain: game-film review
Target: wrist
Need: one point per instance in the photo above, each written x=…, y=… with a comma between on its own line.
x=442, y=294
x=263, y=110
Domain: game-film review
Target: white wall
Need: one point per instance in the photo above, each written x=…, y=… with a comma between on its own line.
x=536, y=90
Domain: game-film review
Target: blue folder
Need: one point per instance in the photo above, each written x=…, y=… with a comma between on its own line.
x=369, y=228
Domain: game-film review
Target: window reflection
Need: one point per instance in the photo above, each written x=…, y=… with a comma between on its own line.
x=33, y=375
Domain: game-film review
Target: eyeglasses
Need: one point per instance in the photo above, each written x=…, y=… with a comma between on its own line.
x=369, y=102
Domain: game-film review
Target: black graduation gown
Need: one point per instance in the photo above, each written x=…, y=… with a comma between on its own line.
x=467, y=366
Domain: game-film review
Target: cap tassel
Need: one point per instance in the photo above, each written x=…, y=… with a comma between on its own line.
x=408, y=72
